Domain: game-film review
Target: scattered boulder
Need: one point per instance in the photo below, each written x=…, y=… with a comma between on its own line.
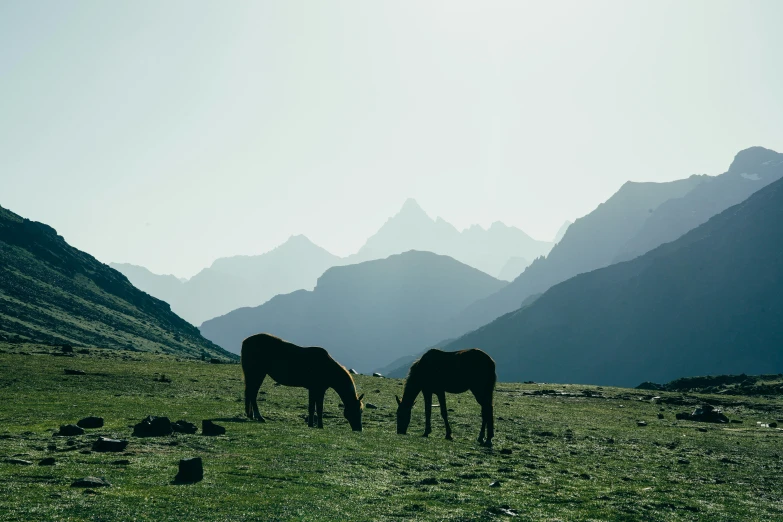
x=190, y=471
x=107, y=445
x=353, y=372
x=376, y=374
x=48, y=461
x=683, y=461
x=20, y=462
x=660, y=415
x=70, y=430
x=647, y=385
x=182, y=426
x=153, y=426
x=371, y=406
x=495, y=484
x=703, y=430
x=773, y=424
x=704, y=413
x=215, y=361
x=641, y=424
x=211, y=429
x=69, y=371
x=506, y=451
x=91, y=482
x=66, y=348
x=90, y=422
x=121, y=462
x=430, y=481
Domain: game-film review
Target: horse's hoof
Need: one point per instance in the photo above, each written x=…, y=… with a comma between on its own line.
x=425, y=435
x=260, y=419
x=449, y=437
x=488, y=444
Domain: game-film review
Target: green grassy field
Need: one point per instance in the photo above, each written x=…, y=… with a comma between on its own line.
x=557, y=456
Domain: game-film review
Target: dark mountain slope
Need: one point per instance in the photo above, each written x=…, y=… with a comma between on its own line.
x=51, y=292
x=751, y=170
x=365, y=314
x=591, y=242
x=710, y=302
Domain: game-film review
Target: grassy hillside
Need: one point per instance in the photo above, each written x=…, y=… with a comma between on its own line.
x=561, y=453
x=53, y=293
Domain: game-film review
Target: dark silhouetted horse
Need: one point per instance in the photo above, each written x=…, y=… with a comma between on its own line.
x=439, y=372
x=291, y=365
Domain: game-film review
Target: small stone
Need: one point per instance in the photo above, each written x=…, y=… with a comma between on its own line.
x=48, y=461
x=20, y=462
x=703, y=430
x=190, y=471
x=215, y=361
x=641, y=423
x=90, y=422
x=585, y=476
x=660, y=415
x=683, y=461
x=211, y=429
x=773, y=424
x=153, y=426
x=371, y=406
x=506, y=451
x=376, y=374
x=91, y=482
x=69, y=371
x=431, y=481
x=495, y=484
x=121, y=462
x=107, y=445
x=353, y=372
x=70, y=430
x=182, y=426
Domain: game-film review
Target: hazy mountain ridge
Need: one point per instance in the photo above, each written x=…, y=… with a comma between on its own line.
x=368, y=313
x=488, y=250
x=235, y=282
x=239, y=281
x=751, y=170
x=53, y=293
x=710, y=302
x=591, y=242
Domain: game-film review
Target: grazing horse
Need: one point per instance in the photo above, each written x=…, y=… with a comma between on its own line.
x=305, y=367
x=439, y=372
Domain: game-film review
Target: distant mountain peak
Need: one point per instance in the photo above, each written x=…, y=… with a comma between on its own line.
x=752, y=157
x=412, y=208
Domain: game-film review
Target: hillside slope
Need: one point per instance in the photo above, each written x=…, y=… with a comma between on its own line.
x=710, y=302
x=53, y=293
x=366, y=314
x=591, y=242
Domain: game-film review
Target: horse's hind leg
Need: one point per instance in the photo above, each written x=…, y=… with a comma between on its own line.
x=445, y=414
x=427, y=413
x=251, y=398
x=319, y=407
x=311, y=408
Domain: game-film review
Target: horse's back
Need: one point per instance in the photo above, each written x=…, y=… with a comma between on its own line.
x=457, y=372
x=286, y=363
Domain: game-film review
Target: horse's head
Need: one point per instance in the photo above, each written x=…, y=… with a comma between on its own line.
x=403, y=416
x=353, y=413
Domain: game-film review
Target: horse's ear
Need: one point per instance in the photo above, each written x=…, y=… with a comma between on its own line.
x=398, y=400
x=360, y=397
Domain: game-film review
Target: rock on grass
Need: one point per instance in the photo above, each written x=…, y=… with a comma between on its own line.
x=91, y=482
x=90, y=422
x=211, y=429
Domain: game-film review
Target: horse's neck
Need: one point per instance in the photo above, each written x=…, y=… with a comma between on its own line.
x=342, y=383
x=411, y=390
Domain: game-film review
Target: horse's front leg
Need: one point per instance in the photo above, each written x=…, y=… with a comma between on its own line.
x=310, y=408
x=445, y=414
x=427, y=413
x=488, y=413
x=319, y=404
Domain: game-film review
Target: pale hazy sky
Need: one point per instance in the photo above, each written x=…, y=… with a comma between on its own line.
x=168, y=134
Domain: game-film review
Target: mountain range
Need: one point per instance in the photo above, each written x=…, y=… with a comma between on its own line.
x=241, y=281
x=52, y=293
x=710, y=302
x=368, y=313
